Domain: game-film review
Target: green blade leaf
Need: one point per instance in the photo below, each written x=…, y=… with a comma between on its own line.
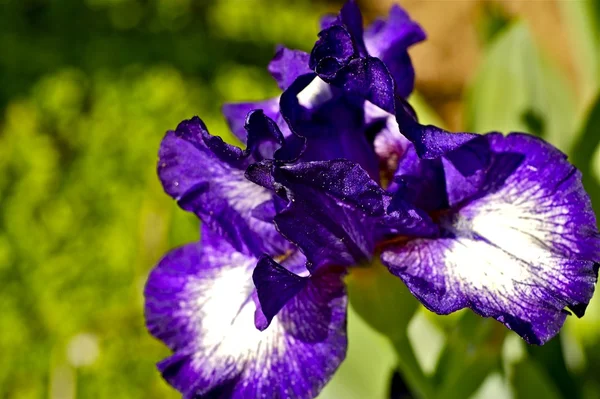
x=368, y=366
x=517, y=89
x=583, y=24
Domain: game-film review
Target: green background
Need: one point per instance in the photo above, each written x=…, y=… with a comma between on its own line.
x=87, y=90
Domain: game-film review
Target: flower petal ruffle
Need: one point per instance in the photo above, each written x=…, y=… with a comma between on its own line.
x=201, y=302
x=521, y=244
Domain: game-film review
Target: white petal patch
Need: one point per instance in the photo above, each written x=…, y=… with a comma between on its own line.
x=222, y=306
x=242, y=194
x=316, y=93
x=507, y=245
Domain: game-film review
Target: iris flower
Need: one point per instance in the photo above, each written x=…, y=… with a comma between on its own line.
x=337, y=171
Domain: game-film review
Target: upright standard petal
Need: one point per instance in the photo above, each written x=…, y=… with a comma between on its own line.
x=206, y=176
x=332, y=123
x=287, y=65
x=389, y=41
x=342, y=42
x=520, y=246
x=201, y=302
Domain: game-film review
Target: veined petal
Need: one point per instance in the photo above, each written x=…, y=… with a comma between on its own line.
x=522, y=249
x=200, y=301
x=209, y=182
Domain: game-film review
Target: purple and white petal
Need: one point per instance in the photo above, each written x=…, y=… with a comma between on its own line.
x=203, y=182
x=390, y=145
x=522, y=250
x=200, y=301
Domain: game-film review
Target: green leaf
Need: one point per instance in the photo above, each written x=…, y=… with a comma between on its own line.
x=584, y=151
x=369, y=363
x=472, y=352
x=381, y=299
x=530, y=381
x=583, y=24
x=427, y=115
x=551, y=356
x=517, y=89
x=384, y=303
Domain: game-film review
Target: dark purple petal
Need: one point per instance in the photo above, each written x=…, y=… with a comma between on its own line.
x=275, y=286
x=235, y=114
x=367, y=79
x=429, y=141
x=200, y=302
x=203, y=181
x=331, y=229
x=422, y=181
x=332, y=51
x=351, y=17
x=328, y=20
x=340, y=179
x=394, y=35
x=389, y=41
x=402, y=218
x=333, y=126
x=264, y=136
x=287, y=65
x=522, y=250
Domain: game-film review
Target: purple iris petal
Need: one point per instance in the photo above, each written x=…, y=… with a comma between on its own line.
x=275, y=287
x=335, y=212
x=331, y=212
x=422, y=180
x=328, y=232
x=287, y=65
x=333, y=125
x=367, y=78
x=235, y=115
x=389, y=41
x=521, y=246
x=429, y=141
x=332, y=51
x=199, y=301
x=351, y=18
x=342, y=41
x=389, y=144
x=206, y=176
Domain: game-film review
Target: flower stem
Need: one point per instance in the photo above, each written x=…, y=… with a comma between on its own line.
x=419, y=384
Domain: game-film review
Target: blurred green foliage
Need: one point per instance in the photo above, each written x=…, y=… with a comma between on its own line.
x=87, y=90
